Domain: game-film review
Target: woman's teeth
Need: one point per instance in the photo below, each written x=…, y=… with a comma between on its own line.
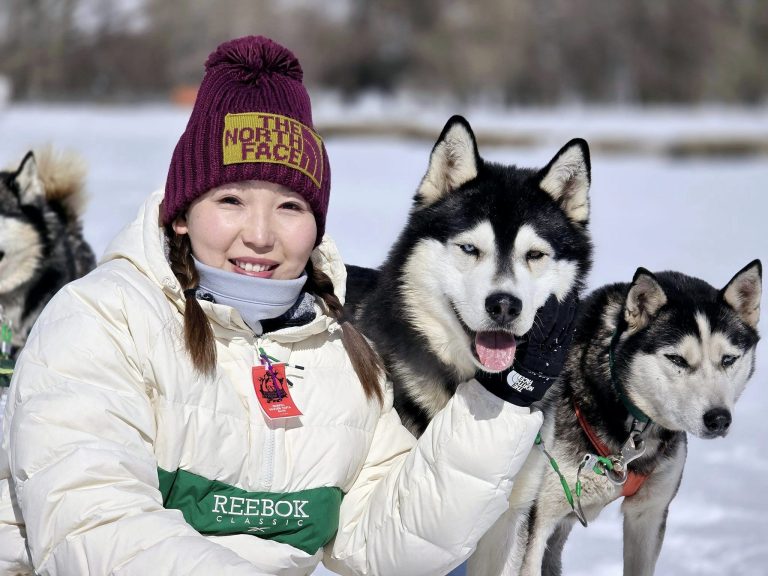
x=248, y=267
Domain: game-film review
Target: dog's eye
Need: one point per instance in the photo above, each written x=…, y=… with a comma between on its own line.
x=470, y=249
x=728, y=360
x=534, y=255
x=677, y=360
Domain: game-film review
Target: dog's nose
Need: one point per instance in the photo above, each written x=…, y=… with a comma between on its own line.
x=717, y=421
x=503, y=307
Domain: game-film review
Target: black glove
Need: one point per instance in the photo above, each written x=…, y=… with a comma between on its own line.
x=539, y=360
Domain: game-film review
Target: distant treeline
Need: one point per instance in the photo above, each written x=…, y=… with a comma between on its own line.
x=507, y=51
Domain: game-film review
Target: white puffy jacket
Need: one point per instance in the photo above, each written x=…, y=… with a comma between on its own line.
x=125, y=460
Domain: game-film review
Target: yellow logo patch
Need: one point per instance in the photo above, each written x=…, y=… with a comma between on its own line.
x=272, y=138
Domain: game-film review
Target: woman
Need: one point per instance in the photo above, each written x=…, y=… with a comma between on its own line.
x=194, y=406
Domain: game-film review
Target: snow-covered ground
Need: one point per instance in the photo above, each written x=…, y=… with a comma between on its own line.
x=704, y=217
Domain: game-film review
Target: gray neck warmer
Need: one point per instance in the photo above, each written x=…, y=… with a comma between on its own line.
x=256, y=299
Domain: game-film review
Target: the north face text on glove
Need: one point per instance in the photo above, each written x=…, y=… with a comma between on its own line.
x=520, y=382
x=515, y=387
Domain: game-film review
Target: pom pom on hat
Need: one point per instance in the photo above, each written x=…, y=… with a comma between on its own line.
x=253, y=57
x=252, y=120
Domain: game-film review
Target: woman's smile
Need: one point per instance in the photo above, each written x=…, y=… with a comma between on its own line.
x=257, y=267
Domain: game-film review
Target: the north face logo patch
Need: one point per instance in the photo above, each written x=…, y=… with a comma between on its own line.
x=272, y=138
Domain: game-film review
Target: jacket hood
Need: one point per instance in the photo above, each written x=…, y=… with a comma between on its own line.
x=143, y=243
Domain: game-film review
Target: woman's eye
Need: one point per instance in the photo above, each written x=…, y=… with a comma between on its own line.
x=470, y=249
x=728, y=360
x=292, y=206
x=534, y=255
x=677, y=360
x=230, y=200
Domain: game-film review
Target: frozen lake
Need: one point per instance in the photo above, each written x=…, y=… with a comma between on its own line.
x=704, y=217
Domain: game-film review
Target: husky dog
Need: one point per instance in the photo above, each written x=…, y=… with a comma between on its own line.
x=650, y=361
x=41, y=241
x=484, y=247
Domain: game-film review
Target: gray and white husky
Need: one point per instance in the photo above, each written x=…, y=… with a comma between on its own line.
x=485, y=245
x=650, y=361
x=41, y=241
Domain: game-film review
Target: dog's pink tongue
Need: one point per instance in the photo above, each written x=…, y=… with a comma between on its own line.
x=496, y=350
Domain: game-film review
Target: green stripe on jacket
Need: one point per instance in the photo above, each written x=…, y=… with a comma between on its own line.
x=307, y=519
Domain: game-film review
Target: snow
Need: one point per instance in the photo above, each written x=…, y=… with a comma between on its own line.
x=704, y=217
x=653, y=124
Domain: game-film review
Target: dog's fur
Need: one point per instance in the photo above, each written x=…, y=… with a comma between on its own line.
x=41, y=241
x=477, y=231
x=683, y=355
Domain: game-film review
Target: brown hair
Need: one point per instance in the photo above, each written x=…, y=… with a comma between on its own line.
x=198, y=334
x=365, y=360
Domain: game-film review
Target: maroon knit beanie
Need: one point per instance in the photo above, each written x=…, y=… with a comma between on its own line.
x=252, y=120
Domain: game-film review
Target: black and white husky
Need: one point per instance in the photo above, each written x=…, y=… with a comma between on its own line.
x=482, y=238
x=41, y=241
x=650, y=361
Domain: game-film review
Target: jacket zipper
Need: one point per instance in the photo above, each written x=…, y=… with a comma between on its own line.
x=268, y=461
x=267, y=472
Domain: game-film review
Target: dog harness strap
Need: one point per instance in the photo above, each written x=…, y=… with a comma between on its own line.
x=6, y=335
x=598, y=444
x=634, y=480
x=633, y=484
x=628, y=404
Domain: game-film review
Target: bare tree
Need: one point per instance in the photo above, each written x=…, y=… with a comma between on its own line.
x=514, y=51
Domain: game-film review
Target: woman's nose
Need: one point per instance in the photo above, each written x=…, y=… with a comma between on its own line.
x=258, y=231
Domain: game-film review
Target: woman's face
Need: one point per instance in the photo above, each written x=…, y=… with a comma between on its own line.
x=253, y=228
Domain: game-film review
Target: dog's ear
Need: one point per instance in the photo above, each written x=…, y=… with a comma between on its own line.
x=567, y=178
x=644, y=299
x=454, y=161
x=743, y=292
x=27, y=179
